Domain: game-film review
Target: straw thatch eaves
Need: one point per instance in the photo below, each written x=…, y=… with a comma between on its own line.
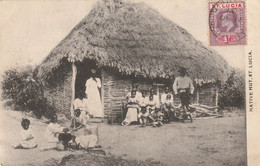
x=135, y=40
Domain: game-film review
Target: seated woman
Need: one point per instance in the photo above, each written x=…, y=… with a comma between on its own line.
x=155, y=97
x=81, y=103
x=143, y=99
x=86, y=135
x=52, y=133
x=132, y=109
x=27, y=137
x=152, y=104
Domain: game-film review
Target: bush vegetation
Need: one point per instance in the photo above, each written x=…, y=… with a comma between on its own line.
x=232, y=93
x=24, y=91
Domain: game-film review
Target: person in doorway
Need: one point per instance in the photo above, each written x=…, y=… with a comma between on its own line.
x=92, y=93
x=183, y=87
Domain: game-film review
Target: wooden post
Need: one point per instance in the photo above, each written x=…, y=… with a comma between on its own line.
x=197, y=95
x=73, y=81
x=102, y=91
x=216, y=102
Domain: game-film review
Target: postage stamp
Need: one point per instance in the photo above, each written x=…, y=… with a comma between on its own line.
x=227, y=22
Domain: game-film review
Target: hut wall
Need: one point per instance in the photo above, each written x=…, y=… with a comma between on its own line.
x=115, y=89
x=207, y=96
x=177, y=100
x=59, y=93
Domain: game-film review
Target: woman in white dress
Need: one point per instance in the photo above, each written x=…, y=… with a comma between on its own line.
x=132, y=109
x=92, y=91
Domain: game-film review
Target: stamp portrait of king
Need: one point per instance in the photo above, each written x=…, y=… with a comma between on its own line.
x=227, y=23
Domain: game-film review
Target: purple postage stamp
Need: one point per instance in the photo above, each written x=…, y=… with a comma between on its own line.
x=227, y=22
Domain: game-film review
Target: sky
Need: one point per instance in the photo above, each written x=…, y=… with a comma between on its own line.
x=29, y=30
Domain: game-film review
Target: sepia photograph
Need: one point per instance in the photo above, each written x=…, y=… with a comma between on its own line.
x=123, y=82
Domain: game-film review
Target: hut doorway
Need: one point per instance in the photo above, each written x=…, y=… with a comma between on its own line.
x=83, y=74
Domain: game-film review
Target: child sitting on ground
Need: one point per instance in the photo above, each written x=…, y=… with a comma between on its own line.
x=84, y=118
x=157, y=118
x=76, y=122
x=27, y=138
x=143, y=115
x=52, y=133
x=88, y=140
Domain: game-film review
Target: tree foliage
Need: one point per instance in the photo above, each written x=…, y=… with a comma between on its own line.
x=24, y=91
x=232, y=93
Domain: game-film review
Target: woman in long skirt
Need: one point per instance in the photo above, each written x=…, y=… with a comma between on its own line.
x=92, y=91
x=132, y=109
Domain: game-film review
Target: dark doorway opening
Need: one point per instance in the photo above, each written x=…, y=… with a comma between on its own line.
x=83, y=74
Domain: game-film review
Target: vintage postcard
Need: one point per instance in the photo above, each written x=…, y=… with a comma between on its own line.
x=129, y=82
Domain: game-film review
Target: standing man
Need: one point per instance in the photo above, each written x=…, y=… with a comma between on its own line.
x=183, y=87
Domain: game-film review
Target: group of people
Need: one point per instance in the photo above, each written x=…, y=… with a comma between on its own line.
x=156, y=110
x=79, y=136
x=147, y=110
x=82, y=134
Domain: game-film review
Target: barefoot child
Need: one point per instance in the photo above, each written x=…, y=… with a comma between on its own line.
x=157, y=118
x=88, y=139
x=143, y=115
x=76, y=122
x=27, y=138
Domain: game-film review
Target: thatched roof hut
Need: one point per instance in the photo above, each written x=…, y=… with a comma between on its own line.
x=134, y=40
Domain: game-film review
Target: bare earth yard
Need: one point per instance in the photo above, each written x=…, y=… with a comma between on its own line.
x=214, y=142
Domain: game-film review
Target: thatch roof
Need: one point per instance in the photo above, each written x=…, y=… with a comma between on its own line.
x=135, y=40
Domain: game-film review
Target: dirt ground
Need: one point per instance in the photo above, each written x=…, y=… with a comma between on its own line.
x=214, y=142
